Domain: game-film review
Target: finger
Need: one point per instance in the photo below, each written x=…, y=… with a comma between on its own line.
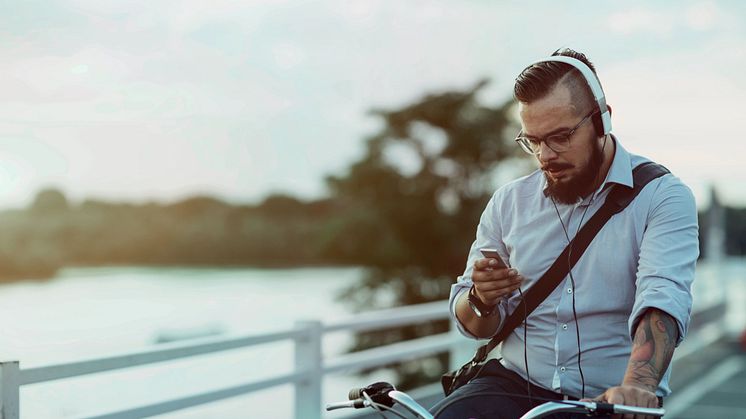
x=500, y=287
x=615, y=397
x=502, y=274
x=517, y=283
x=649, y=403
x=494, y=274
x=486, y=263
x=506, y=285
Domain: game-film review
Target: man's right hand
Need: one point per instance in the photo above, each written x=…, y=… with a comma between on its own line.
x=492, y=283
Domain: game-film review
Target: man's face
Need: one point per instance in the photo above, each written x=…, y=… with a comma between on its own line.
x=571, y=174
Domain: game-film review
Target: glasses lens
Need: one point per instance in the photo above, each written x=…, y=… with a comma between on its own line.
x=527, y=145
x=558, y=142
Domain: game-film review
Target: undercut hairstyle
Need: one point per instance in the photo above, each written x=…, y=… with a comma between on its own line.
x=537, y=80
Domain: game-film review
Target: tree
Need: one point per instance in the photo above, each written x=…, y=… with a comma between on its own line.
x=50, y=200
x=415, y=198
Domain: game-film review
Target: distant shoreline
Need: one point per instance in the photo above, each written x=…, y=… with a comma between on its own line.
x=68, y=270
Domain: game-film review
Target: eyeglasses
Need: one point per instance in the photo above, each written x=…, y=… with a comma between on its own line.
x=556, y=142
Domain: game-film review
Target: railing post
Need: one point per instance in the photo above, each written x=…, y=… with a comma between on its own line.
x=308, y=359
x=9, y=386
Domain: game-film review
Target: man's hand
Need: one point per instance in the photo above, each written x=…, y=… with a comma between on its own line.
x=631, y=396
x=492, y=283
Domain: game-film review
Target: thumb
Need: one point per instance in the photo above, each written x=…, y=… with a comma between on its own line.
x=599, y=398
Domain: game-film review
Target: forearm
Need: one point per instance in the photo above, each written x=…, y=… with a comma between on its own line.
x=652, y=349
x=480, y=327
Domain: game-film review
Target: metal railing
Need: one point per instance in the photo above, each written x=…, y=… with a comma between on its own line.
x=310, y=365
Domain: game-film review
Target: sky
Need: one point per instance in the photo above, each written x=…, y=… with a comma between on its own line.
x=142, y=100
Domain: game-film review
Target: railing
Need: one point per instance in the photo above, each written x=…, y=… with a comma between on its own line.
x=310, y=364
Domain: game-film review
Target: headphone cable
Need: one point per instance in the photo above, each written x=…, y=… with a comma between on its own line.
x=572, y=279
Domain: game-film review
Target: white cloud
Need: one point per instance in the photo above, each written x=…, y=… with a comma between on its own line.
x=703, y=16
x=641, y=20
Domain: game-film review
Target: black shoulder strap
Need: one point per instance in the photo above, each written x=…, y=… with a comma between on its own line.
x=618, y=199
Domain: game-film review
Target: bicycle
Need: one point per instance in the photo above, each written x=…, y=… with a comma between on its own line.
x=382, y=396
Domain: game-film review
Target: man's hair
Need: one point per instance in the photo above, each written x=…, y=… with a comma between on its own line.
x=537, y=80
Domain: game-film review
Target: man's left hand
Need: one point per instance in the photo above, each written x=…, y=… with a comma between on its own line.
x=630, y=395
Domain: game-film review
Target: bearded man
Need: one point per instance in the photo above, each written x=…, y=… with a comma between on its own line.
x=609, y=329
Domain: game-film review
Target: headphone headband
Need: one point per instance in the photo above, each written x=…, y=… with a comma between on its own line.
x=592, y=82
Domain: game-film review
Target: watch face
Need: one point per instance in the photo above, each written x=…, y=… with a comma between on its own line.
x=475, y=309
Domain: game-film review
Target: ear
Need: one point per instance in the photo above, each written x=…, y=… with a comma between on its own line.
x=609, y=107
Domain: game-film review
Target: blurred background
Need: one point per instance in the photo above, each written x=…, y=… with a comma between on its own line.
x=178, y=170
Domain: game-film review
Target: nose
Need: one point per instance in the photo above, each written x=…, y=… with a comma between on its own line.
x=546, y=154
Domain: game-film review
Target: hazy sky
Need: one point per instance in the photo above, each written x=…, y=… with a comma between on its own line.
x=141, y=100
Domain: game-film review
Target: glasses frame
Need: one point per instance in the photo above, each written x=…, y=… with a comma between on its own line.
x=525, y=142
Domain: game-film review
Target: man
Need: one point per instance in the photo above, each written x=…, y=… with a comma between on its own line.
x=610, y=328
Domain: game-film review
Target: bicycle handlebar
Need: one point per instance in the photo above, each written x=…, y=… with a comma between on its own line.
x=589, y=407
x=385, y=394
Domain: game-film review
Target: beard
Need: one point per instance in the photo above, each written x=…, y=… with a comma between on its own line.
x=575, y=188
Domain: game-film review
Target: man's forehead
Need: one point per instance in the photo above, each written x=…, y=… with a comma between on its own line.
x=555, y=110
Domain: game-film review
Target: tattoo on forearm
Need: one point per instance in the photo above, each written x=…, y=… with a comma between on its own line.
x=652, y=349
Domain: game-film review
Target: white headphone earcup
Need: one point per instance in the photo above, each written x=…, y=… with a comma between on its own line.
x=606, y=121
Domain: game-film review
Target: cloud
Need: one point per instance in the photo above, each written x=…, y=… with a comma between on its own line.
x=703, y=16
x=641, y=20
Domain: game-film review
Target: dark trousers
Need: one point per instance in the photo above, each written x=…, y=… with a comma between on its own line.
x=479, y=399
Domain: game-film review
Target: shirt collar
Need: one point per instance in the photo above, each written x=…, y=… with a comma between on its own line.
x=620, y=172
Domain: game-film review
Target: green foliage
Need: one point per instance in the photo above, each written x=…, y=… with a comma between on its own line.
x=416, y=197
x=50, y=200
x=279, y=232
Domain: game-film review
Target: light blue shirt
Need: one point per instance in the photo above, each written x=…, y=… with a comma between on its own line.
x=642, y=258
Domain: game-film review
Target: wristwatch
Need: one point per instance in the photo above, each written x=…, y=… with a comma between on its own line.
x=480, y=309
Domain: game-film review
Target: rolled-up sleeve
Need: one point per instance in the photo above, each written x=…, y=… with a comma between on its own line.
x=488, y=236
x=668, y=254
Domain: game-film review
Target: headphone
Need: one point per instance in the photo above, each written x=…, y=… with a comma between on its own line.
x=602, y=120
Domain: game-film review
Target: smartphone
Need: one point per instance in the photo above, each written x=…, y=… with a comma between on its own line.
x=492, y=254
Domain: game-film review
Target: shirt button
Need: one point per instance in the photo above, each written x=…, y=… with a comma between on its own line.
x=562, y=369
x=569, y=290
x=564, y=327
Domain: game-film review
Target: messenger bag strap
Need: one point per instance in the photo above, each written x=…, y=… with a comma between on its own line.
x=618, y=199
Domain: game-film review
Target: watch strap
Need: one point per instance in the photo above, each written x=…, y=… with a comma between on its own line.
x=484, y=309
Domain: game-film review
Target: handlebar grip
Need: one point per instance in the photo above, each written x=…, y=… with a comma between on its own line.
x=380, y=388
x=378, y=392
x=604, y=408
x=355, y=393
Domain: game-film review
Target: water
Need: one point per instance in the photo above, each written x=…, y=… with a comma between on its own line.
x=92, y=312
x=86, y=313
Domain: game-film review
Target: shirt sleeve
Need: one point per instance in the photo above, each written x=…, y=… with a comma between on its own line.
x=488, y=236
x=668, y=254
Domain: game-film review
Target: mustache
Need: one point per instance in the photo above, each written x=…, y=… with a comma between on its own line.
x=555, y=166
